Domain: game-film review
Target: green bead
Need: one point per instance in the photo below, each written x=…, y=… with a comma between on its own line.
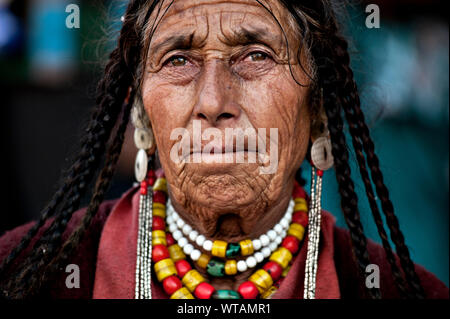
x=226, y=294
x=216, y=268
x=233, y=250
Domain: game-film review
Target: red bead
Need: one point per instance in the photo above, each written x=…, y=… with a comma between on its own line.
x=298, y=192
x=144, y=184
x=151, y=173
x=169, y=239
x=158, y=223
x=172, y=284
x=278, y=282
x=182, y=267
x=274, y=269
x=319, y=172
x=204, y=291
x=300, y=218
x=159, y=252
x=151, y=180
x=248, y=290
x=159, y=197
x=291, y=243
x=144, y=191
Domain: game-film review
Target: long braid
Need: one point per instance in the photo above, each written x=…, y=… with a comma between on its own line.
x=387, y=207
x=49, y=244
x=113, y=89
x=349, y=199
x=101, y=187
x=78, y=174
x=349, y=90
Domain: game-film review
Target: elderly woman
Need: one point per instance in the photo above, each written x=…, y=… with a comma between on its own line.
x=228, y=98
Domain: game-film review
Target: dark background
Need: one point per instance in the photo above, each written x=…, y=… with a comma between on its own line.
x=48, y=74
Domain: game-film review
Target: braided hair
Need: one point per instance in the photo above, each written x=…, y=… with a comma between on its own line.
x=332, y=86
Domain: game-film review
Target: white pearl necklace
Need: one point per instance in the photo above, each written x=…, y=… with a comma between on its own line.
x=263, y=246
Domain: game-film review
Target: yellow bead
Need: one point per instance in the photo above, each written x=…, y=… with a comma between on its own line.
x=281, y=256
x=192, y=279
x=285, y=271
x=301, y=207
x=300, y=200
x=203, y=260
x=159, y=211
x=219, y=248
x=269, y=293
x=159, y=237
x=246, y=247
x=160, y=185
x=182, y=293
x=165, y=268
x=159, y=205
x=262, y=280
x=231, y=267
x=176, y=253
x=296, y=230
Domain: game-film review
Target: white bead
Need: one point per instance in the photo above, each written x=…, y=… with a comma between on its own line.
x=251, y=262
x=283, y=234
x=273, y=246
x=321, y=155
x=175, y=216
x=188, y=249
x=186, y=229
x=278, y=228
x=195, y=254
x=207, y=245
x=143, y=138
x=173, y=228
x=265, y=240
x=182, y=242
x=180, y=223
x=278, y=240
x=200, y=240
x=284, y=222
x=266, y=252
x=259, y=257
x=272, y=235
x=140, y=166
x=169, y=220
x=177, y=235
x=241, y=266
x=193, y=235
x=256, y=244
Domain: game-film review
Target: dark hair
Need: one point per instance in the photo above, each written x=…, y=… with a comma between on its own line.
x=332, y=86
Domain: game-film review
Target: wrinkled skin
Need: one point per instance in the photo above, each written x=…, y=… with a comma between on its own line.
x=224, y=80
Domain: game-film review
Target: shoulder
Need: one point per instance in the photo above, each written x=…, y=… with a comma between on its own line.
x=347, y=270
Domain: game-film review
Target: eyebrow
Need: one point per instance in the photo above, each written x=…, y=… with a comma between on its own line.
x=242, y=36
x=183, y=41
x=258, y=35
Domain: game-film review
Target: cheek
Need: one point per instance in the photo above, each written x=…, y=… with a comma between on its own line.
x=279, y=102
x=168, y=107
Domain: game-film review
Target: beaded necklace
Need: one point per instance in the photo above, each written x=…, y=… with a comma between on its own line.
x=178, y=278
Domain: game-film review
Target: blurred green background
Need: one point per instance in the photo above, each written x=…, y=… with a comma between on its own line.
x=48, y=74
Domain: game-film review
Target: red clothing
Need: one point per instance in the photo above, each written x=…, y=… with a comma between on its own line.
x=107, y=257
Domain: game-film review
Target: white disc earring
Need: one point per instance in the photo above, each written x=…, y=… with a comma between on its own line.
x=321, y=155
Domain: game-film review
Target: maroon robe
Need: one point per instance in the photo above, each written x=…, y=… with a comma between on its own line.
x=107, y=258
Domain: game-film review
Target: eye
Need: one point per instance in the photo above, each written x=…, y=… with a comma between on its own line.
x=177, y=60
x=258, y=56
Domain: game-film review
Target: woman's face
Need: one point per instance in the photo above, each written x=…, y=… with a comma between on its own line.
x=219, y=65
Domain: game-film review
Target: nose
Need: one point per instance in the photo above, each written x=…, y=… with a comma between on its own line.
x=215, y=99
